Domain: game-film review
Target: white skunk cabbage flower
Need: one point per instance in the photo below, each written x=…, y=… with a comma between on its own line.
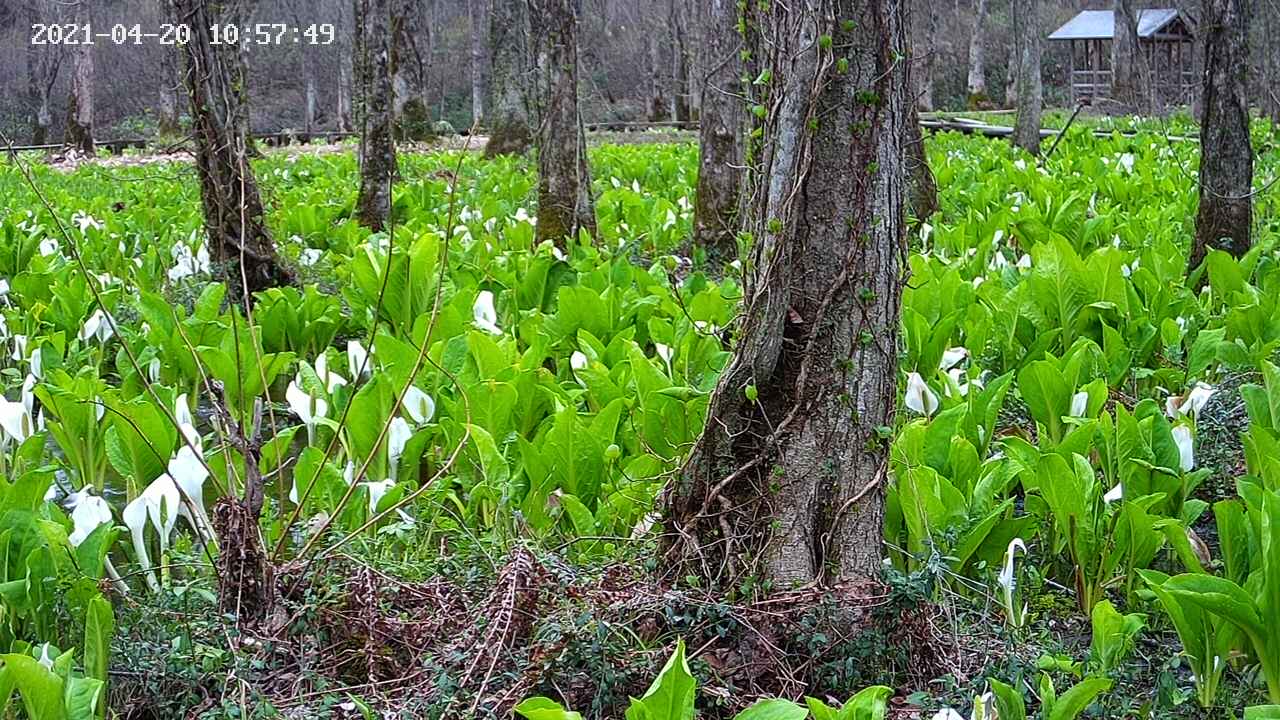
x=578, y=360
x=84, y=221
x=1079, y=404
x=398, y=434
x=307, y=408
x=16, y=417
x=1114, y=494
x=88, y=512
x=1024, y=262
x=952, y=357
x=157, y=505
x=1008, y=581
x=46, y=659
x=188, y=470
x=418, y=405
x=332, y=380
x=486, y=317
x=1191, y=403
x=1186, y=447
x=376, y=491
x=947, y=714
x=357, y=359
x=187, y=263
x=99, y=326
x=919, y=397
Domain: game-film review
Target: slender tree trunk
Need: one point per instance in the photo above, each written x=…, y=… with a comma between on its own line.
x=509, y=74
x=657, y=87
x=373, y=110
x=977, y=81
x=477, y=14
x=233, y=213
x=565, y=203
x=345, y=74
x=715, y=215
x=1011, y=77
x=1226, y=155
x=1026, y=129
x=679, y=63
x=924, y=188
x=1126, y=78
x=170, y=80
x=309, y=112
x=79, y=133
x=1270, y=13
x=786, y=483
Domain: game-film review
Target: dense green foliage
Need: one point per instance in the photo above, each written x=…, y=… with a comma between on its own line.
x=450, y=378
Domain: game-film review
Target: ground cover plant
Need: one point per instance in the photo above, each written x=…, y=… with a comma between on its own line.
x=447, y=414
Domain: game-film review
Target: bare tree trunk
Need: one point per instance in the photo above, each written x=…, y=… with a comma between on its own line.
x=1026, y=129
x=509, y=75
x=1126, y=78
x=924, y=188
x=42, y=72
x=233, y=213
x=565, y=203
x=476, y=12
x=1011, y=77
x=715, y=214
x=170, y=80
x=1270, y=12
x=679, y=63
x=1226, y=155
x=309, y=112
x=79, y=133
x=977, y=81
x=786, y=482
x=345, y=74
x=373, y=110
x=657, y=88
x=924, y=51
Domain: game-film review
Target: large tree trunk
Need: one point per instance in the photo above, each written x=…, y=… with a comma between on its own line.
x=233, y=211
x=1026, y=129
x=715, y=215
x=373, y=109
x=79, y=133
x=1270, y=12
x=1226, y=156
x=476, y=11
x=786, y=483
x=657, y=88
x=977, y=80
x=1126, y=77
x=509, y=75
x=170, y=80
x=924, y=51
x=677, y=20
x=565, y=203
x=42, y=73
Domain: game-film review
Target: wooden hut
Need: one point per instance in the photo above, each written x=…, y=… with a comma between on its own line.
x=1166, y=39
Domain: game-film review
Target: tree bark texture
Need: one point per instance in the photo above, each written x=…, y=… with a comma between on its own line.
x=786, y=482
x=1126, y=77
x=715, y=214
x=657, y=82
x=233, y=211
x=677, y=20
x=345, y=74
x=476, y=12
x=1026, y=128
x=79, y=134
x=509, y=75
x=1226, y=155
x=42, y=72
x=924, y=52
x=565, y=202
x=170, y=81
x=924, y=188
x=1269, y=11
x=373, y=110
x=977, y=80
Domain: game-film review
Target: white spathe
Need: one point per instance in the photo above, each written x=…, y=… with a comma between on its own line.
x=486, y=316
x=376, y=491
x=1186, y=447
x=157, y=505
x=99, y=326
x=398, y=434
x=357, y=359
x=332, y=380
x=919, y=398
x=1008, y=582
x=1191, y=403
x=952, y=357
x=419, y=405
x=1079, y=404
x=88, y=513
x=1114, y=494
x=307, y=408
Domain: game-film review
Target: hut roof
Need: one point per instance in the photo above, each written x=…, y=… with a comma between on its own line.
x=1101, y=24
